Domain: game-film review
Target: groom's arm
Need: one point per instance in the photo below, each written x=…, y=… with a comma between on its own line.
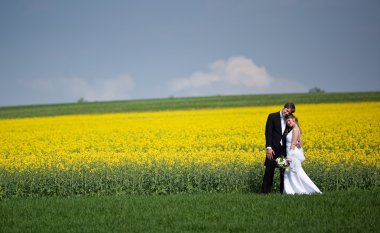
x=268, y=132
x=268, y=136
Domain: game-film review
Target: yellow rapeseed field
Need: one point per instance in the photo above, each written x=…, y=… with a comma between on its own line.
x=333, y=134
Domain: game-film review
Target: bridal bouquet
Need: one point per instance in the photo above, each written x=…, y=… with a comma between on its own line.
x=282, y=162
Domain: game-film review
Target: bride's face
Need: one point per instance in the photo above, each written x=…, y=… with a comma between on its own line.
x=291, y=122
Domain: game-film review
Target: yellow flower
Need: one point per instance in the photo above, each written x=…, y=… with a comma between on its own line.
x=332, y=134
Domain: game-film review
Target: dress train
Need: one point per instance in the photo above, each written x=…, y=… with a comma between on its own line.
x=296, y=181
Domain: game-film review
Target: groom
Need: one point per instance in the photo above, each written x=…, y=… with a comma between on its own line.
x=275, y=134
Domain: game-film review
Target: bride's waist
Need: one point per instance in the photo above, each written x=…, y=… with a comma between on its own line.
x=293, y=150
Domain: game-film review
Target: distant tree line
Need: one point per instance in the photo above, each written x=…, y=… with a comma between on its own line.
x=81, y=100
x=316, y=90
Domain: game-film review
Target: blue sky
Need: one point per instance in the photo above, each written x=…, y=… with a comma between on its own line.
x=59, y=51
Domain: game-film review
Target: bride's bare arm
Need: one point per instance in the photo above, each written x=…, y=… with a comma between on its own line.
x=295, y=136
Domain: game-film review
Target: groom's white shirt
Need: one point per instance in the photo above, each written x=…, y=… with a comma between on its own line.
x=283, y=123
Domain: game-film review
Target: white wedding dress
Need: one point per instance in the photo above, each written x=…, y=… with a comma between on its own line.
x=296, y=181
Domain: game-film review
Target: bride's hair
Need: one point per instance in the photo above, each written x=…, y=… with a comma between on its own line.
x=291, y=116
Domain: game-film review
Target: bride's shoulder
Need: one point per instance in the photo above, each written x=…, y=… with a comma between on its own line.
x=296, y=130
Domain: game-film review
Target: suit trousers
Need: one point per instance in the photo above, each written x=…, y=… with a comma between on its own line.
x=270, y=166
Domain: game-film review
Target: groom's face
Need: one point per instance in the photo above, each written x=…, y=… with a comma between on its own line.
x=286, y=111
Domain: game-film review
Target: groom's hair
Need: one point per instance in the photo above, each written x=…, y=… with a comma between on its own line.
x=291, y=106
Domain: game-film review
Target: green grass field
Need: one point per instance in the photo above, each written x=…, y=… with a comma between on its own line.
x=343, y=211
x=183, y=103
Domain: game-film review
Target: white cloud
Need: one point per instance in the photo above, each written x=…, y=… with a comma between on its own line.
x=236, y=75
x=236, y=71
x=196, y=80
x=74, y=88
x=241, y=71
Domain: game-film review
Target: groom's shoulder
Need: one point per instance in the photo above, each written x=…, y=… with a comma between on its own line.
x=274, y=114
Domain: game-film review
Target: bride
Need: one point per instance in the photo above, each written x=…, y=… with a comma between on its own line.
x=296, y=181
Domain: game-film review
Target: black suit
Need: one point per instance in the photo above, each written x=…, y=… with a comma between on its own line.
x=273, y=138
